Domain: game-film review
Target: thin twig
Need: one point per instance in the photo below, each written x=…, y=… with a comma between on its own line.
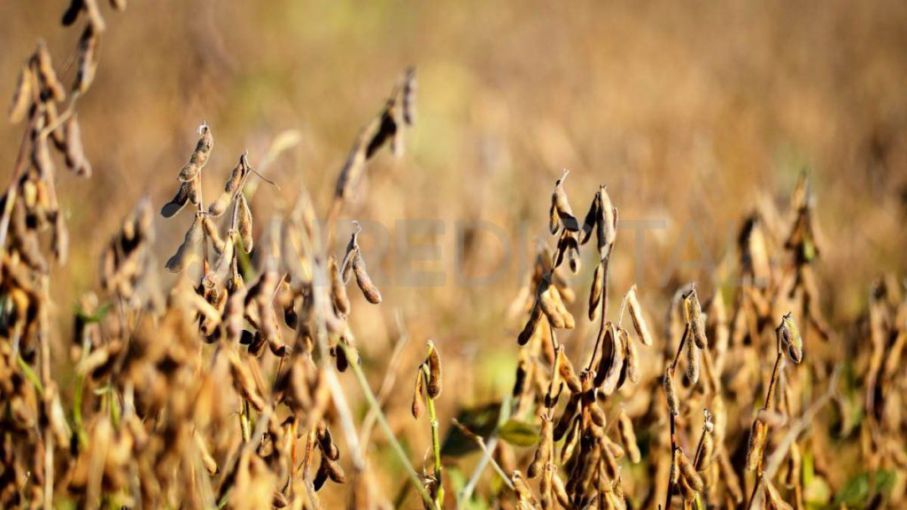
x=385, y=426
x=470, y=486
x=481, y=442
x=390, y=377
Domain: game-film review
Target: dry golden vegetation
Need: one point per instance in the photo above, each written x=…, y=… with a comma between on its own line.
x=722, y=326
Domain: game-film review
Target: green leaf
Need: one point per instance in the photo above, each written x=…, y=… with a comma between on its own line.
x=884, y=481
x=864, y=487
x=98, y=316
x=519, y=433
x=855, y=492
x=480, y=420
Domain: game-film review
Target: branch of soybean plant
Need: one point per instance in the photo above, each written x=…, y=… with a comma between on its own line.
x=382, y=422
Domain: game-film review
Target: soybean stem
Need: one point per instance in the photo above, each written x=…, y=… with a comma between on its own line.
x=386, y=428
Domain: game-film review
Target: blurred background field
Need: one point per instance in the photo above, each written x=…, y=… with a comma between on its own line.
x=692, y=113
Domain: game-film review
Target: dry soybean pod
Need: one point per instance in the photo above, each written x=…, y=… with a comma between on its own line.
x=368, y=288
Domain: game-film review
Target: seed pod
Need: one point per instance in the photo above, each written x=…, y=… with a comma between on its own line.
x=611, y=467
x=570, y=450
x=188, y=174
x=199, y=156
x=290, y=317
x=529, y=329
x=40, y=155
x=560, y=492
x=693, y=362
x=321, y=476
x=88, y=59
x=612, y=365
x=639, y=321
x=369, y=290
x=94, y=15
x=207, y=459
x=631, y=356
x=60, y=239
x=597, y=415
x=689, y=472
x=708, y=451
x=194, y=193
x=244, y=382
x=549, y=307
x=338, y=290
x=186, y=254
x=523, y=371
x=628, y=436
x=335, y=472
x=328, y=469
x=773, y=500
x=219, y=206
x=597, y=291
x=569, y=411
x=418, y=392
x=789, y=338
x=353, y=167
x=55, y=415
x=72, y=12
x=178, y=201
x=567, y=373
x=670, y=389
x=233, y=317
x=48, y=77
x=756, y=445
x=606, y=227
x=388, y=128
x=554, y=223
x=326, y=443
x=340, y=358
x=346, y=265
x=74, y=153
x=693, y=315
x=573, y=258
x=244, y=224
x=224, y=266
x=237, y=174
x=27, y=240
x=538, y=461
x=792, y=476
x=257, y=346
x=433, y=388
x=408, y=96
x=22, y=97
x=523, y=492
x=213, y=234
x=590, y=220
x=569, y=321
x=561, y=205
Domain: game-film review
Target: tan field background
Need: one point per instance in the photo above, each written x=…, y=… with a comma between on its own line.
x=691, y=112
